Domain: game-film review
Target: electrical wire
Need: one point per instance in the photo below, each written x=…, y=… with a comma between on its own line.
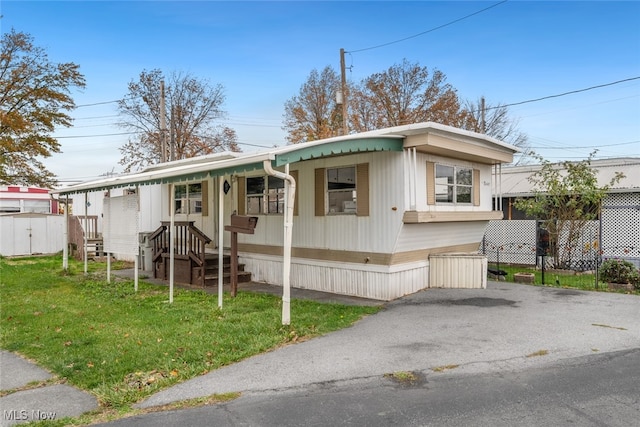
x=428, y=31
x=586, y=146
x=486, y=109
x=564, y=93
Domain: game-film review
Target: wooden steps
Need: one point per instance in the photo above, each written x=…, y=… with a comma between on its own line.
x=212, y=273
x=192, y=264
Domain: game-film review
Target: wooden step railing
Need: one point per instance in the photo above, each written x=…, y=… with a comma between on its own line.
x=79, y=225
x=189, y=251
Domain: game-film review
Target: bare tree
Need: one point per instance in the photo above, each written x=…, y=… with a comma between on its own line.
x=494, y=120
x=34, y=98
x=314, y=113
x=192, y=110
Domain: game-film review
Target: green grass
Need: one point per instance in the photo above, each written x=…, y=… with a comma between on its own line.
x=123, y=345
x=582, y=281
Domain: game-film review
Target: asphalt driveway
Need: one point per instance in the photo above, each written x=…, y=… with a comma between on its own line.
x=506, y=326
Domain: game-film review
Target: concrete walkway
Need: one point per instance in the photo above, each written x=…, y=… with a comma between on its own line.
x=29, y=402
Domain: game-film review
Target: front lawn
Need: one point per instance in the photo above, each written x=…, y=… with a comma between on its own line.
x=123, y=345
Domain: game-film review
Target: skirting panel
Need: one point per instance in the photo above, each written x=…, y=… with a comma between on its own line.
x=341, y=278
x=458, y=271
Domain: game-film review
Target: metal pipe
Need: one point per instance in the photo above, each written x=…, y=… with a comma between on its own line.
x=290, y=194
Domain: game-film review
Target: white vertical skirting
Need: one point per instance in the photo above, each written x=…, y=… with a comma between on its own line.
x=458, y=271
x=341, y=279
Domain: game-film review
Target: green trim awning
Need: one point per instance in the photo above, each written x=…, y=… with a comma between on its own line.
x=182, y=173
x=308, y=151
x=197, y=169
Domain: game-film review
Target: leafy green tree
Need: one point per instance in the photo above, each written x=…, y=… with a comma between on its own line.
x=193, y=110
x=566, y=196
x=35, y=96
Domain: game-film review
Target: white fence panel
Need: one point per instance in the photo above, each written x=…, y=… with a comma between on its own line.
x=120, y=224
x=30, y=234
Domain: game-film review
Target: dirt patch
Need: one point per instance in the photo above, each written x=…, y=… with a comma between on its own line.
x=407, y=379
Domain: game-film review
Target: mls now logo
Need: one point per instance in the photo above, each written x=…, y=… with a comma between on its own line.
x=15, y=415
x=24, y=415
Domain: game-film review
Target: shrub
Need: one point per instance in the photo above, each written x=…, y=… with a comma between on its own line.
x=619, y=271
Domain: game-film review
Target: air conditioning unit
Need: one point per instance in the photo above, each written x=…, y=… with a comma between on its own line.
x=349, y=206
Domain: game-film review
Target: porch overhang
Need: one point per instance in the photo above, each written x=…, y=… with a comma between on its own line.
x=310, y=150
x=179, y=173
x=467, y=148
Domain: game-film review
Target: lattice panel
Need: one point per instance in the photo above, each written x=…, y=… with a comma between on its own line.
x=120, y=224
x=511, y=242
x=514, y=242
x=617, y=235
x=621, y=227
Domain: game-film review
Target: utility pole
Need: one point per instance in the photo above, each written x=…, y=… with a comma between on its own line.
x=345, y=127
x=172, y=136
x=482, y=123
x=163, y=126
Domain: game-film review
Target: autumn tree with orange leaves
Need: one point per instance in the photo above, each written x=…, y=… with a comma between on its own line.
x=403, y=94
x=35, y=98
x=314, y=114
x=193, y=111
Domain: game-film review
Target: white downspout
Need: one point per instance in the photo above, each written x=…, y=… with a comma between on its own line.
x=290, y=194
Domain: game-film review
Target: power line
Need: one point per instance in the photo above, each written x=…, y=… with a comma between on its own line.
x=489, y=108
x=95, y=136
x=97, y=103
x=96, y=117
x=565, y=93
x=429, y=31
x=586, y=146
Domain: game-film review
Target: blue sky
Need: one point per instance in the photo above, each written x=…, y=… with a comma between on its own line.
x=262, y=53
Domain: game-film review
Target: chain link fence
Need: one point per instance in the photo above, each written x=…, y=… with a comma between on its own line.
x=615, y=236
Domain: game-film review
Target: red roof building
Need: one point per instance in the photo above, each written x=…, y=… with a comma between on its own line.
x=20, y=199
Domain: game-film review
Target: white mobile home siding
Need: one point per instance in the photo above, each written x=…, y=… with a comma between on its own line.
x=382, y=233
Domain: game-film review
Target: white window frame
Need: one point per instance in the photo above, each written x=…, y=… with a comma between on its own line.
x=190, y=199
x=453, y=187
x=336, y=203
x=270, y=199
